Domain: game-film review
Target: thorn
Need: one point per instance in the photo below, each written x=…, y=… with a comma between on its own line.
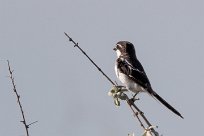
x=135, y=114
x=32, y=123
x=75, y=44
x=23, y=122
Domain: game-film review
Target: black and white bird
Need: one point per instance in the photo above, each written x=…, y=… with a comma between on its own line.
x=131, y=73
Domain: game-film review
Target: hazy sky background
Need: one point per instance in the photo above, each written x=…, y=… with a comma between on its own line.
x=61, y=89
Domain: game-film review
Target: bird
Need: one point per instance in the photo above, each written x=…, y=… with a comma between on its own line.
x=131, y=73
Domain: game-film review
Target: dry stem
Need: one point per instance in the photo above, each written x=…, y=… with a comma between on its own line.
x=18, y=99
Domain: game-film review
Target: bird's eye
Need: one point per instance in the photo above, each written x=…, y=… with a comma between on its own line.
x=118, y=46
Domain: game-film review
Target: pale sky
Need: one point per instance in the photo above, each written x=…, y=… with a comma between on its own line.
x=66, y=94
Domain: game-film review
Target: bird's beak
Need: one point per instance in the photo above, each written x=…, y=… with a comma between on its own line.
x=114, y=49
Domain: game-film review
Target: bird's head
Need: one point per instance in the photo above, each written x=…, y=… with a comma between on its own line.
x=124, y=48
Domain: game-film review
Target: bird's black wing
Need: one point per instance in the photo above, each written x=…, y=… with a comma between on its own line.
x=134, y=70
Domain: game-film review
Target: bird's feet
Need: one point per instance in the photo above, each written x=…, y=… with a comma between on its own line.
x=133, y=99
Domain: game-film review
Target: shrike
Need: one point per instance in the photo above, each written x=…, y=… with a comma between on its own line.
x=131, y=73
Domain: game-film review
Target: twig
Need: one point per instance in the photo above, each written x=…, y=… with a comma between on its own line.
x=18, y=99
x=32, y=123
x=130, y=103
x=135, y=113
x=142, y=114
x=128, y=100
x=76, y=45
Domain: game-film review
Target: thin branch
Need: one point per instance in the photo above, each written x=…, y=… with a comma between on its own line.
x=18, y=99
x=131, y=105
x=76, y=45
x=142, y=114
x=129, y=101
x=135, y=113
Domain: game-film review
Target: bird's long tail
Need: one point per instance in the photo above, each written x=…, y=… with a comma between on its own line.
x=155, y=95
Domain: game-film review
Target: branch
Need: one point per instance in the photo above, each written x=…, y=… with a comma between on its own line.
x=117, y=90
x=18, y=99
x=150, y=127
x=76, y=45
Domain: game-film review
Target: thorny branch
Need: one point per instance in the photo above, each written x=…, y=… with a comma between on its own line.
x=129, y=101
x=18, y=100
